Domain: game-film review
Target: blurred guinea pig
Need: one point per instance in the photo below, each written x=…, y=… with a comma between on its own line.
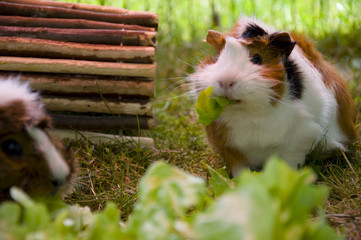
x=288, y=99
x=29, y=157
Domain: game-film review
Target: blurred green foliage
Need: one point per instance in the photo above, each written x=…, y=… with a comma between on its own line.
x=186, y=20
x=172, y=204
x=336, y=24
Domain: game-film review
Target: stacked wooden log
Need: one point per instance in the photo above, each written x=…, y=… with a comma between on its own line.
x=93, y=65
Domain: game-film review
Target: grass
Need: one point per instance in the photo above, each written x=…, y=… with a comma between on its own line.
x=111, y=172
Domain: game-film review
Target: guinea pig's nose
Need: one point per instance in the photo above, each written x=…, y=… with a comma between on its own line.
x=226, y=84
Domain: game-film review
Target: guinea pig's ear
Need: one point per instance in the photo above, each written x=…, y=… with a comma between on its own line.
x=216, y=39
x=281, y=42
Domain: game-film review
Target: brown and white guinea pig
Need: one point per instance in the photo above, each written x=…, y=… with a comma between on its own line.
x=288, y=99
x=29, y=157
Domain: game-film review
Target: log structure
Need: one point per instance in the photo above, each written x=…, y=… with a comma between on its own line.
x=93, y=65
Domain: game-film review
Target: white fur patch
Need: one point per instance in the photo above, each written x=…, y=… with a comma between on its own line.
x=58, y=167
x=11, y=89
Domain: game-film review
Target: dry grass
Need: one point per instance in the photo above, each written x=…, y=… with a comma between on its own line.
x=343, y=207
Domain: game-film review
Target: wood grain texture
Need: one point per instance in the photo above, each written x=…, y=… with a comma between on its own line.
x=29, y=47
x=77, y=67
x=66, y=23
x=137, y=18
x=57, y=103
x=95, y=36
x=78, y=6
x=75, y=84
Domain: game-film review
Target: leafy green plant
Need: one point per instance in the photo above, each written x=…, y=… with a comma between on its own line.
x=275, y=204
x=172, y=204
x=166, y=195
x=210, y=108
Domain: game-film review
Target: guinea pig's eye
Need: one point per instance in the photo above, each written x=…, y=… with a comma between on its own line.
x=256, y=59
x=12, y=148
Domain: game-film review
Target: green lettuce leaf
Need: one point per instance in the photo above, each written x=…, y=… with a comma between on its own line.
x=210, y=108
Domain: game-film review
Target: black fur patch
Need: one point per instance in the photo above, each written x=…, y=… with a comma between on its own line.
x=294, y=77
x=253, y=30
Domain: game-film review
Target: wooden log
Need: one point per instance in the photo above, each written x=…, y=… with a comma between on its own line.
x=72, y=104
x=66, y=23
x=70, y=84
x=28, y=47
x=101, y=122
x=96, y=36
x=79, y=6
x=101, y=138
x=24, y=64
x=142, y=19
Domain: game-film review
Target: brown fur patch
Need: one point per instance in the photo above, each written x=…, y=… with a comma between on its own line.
x=14, y=117
x=332, y=79
x=276, y=74
x=216, y=39
x=217, y=134
x=261, y=46
x=273, y=69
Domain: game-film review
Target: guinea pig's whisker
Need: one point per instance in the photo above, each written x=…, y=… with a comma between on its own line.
x=186, y=94
x=171, y=98
x=182, y=61
x=184, y=85
x=178, y=79
x=172, y=85
x=192, y=91
x=248, y=74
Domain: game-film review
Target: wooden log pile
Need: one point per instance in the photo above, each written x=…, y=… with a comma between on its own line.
x=94, y=65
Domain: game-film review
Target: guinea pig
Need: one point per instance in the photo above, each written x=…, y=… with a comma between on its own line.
x=29, y=157
x=287, y=98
